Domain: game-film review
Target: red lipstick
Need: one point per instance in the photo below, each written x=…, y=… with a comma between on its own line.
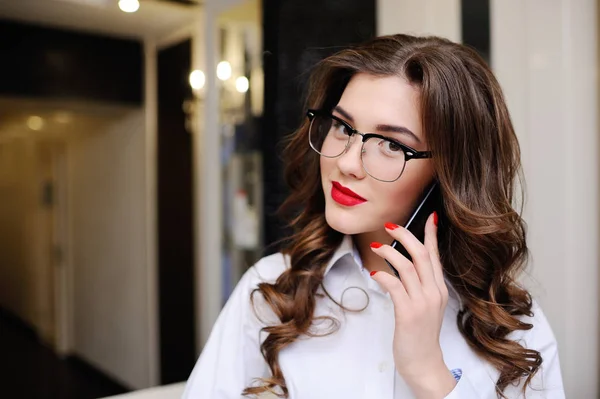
x=344, y=196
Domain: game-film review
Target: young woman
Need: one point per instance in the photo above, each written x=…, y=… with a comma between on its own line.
x=326, y=317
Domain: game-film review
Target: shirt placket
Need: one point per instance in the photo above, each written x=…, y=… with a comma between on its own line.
x=380, y=381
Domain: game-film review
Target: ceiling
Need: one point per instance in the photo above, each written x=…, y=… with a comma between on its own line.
x=154, y=20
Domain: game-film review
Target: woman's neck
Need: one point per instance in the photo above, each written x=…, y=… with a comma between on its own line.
x=363, y=241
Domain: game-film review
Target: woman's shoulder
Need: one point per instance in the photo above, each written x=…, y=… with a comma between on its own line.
x=540, y=335
x=258, y=311
x=266, y=270
x=269, y=268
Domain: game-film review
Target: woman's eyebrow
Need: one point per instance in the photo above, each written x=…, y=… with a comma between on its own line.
x=344, y=113
x=381, y=128
x=398, y=129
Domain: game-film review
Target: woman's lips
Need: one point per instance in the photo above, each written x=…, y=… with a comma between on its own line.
x=344, y=196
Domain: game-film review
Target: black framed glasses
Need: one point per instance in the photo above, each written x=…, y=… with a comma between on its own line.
x=383, y=158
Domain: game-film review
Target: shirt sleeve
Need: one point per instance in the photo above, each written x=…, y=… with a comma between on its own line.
x=231, y=359
x=546, y=383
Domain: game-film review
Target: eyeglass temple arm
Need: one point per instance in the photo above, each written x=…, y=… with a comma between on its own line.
x=417, y=155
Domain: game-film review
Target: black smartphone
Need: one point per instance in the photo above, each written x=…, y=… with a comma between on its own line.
x=430, y=202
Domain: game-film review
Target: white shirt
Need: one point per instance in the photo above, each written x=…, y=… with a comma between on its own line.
x=355, y=362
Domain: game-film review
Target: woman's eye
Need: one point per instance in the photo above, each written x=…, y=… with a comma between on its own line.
x=341, y=128
x=392, y=147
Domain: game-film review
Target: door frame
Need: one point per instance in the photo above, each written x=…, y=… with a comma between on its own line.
x=61, y=254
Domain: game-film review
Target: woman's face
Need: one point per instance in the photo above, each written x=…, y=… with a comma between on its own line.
x=382, y=105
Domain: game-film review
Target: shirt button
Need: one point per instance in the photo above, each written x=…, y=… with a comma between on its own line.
x=383, y=366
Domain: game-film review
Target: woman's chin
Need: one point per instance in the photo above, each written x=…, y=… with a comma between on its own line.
x=345, y=224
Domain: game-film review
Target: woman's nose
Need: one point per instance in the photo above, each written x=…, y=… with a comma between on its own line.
x=350, y=162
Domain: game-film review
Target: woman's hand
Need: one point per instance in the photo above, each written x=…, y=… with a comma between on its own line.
x=420, y=298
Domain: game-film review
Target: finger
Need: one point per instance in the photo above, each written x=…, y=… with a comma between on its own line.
x=405, y=268
x=416, y=249
x=392, y=285
x=431, y=243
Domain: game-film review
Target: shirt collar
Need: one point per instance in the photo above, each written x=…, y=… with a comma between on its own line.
x=347, y=248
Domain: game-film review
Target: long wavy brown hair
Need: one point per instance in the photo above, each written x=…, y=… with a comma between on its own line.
x=477, y=164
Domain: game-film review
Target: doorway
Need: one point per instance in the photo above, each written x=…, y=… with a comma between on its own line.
x=175, y=216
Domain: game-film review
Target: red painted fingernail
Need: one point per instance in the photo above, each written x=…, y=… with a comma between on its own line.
x=373, y=273
x=435, y=218
x=391, y=226
x=376, y=244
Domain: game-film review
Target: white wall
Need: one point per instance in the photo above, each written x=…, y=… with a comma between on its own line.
x=420, y=17
x=107, y=196
x=544, y=52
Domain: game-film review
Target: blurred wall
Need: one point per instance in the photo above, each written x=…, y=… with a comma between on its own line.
x=24, y=279
x=545, y=56
x=108, y=241
x=437, y=17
